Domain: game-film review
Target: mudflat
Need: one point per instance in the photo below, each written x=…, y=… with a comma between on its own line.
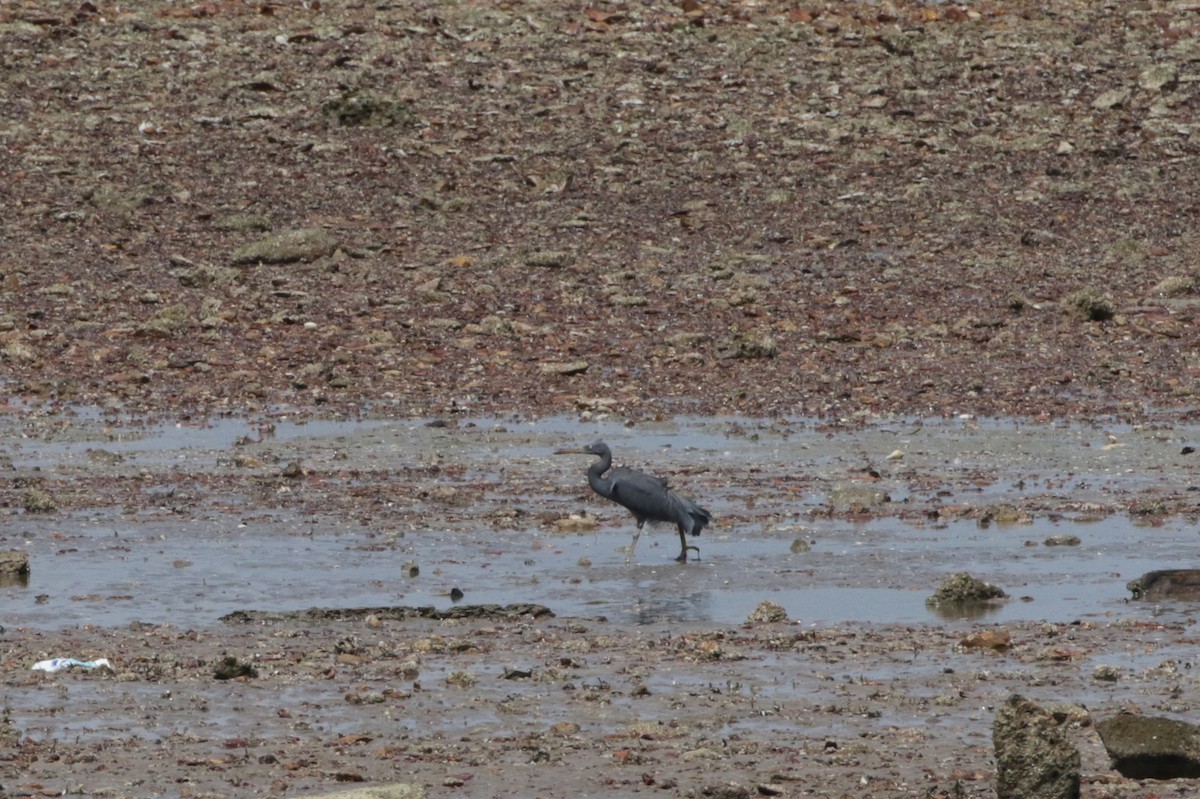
x=300, y=297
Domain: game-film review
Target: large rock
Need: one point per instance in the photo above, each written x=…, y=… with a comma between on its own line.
x=857, y=498
x=963, y=589
x=14, y=570
x=14, y=562
x=305, y=244
x=1167, y=584
x=1034, y=759
x=1152, y=747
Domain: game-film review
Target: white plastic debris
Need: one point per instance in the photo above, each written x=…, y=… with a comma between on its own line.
x=58, y=664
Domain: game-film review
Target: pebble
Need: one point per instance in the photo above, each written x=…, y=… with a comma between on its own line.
x=1113, y=98
x=575, y=524
x=410, y=669
x=988, y=639
x=1159, y=77
x=857, y=498
x=565, y=368
x=550, y=259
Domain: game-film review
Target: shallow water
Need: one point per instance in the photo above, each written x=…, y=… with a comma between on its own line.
x=191, y=578
x=108, y=568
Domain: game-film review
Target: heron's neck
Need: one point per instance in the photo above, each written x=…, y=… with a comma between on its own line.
x=595, y=474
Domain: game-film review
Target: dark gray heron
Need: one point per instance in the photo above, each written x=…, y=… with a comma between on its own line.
x=648, y=498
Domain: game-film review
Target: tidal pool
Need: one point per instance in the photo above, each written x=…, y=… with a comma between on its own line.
x=241, y=539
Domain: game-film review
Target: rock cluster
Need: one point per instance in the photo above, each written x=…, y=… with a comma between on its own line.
x=1034, y=758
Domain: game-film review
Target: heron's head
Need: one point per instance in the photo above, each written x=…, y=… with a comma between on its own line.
x=595, y=448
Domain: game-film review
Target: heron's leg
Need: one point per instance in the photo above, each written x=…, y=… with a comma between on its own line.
x=633, y=544
x=686, y=546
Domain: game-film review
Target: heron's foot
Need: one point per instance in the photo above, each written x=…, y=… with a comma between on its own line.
x=683, y=555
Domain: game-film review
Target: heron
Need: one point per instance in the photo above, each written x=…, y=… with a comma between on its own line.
x=648, y=498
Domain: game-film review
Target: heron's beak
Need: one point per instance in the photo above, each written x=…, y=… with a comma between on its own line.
x=568, y=452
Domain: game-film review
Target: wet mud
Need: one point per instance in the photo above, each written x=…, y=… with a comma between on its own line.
x=413, y=610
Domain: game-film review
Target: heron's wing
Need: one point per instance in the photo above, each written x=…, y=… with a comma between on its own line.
x=647, y=497
x=633, y=476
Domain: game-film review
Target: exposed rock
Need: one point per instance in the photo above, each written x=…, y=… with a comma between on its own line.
x=122, y=201
x=565, y=728
x=727, y=791
x=15, y=349
x=1004, y=515
x=58, y=290
x=243, y=222
x=446, y=495
x=230, y=668
x=398, y=790
x=1159, y=77
x=1113, y=98
x=743, y=296
x=1089, y=304
x=550, y=259
x=857, y=498
x=962, y=588
x=1034, y=759
x=364, y=108
x=36, y=500
x=998, y=640
x=202, y=277
x=1183, y=584
x=394, y=613
x=686, y=340
x=494, y=326
x=166, y=323
x=14, y=562
x=304, y=244
x=747, y=345
x=1174, y=286
x=430, y=291
x=767, y=611
x=575, y=524
x=565, y=369
x=104, y=456
x=1152, y=747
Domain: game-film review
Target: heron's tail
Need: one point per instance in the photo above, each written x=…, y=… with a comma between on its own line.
x=699, y=517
